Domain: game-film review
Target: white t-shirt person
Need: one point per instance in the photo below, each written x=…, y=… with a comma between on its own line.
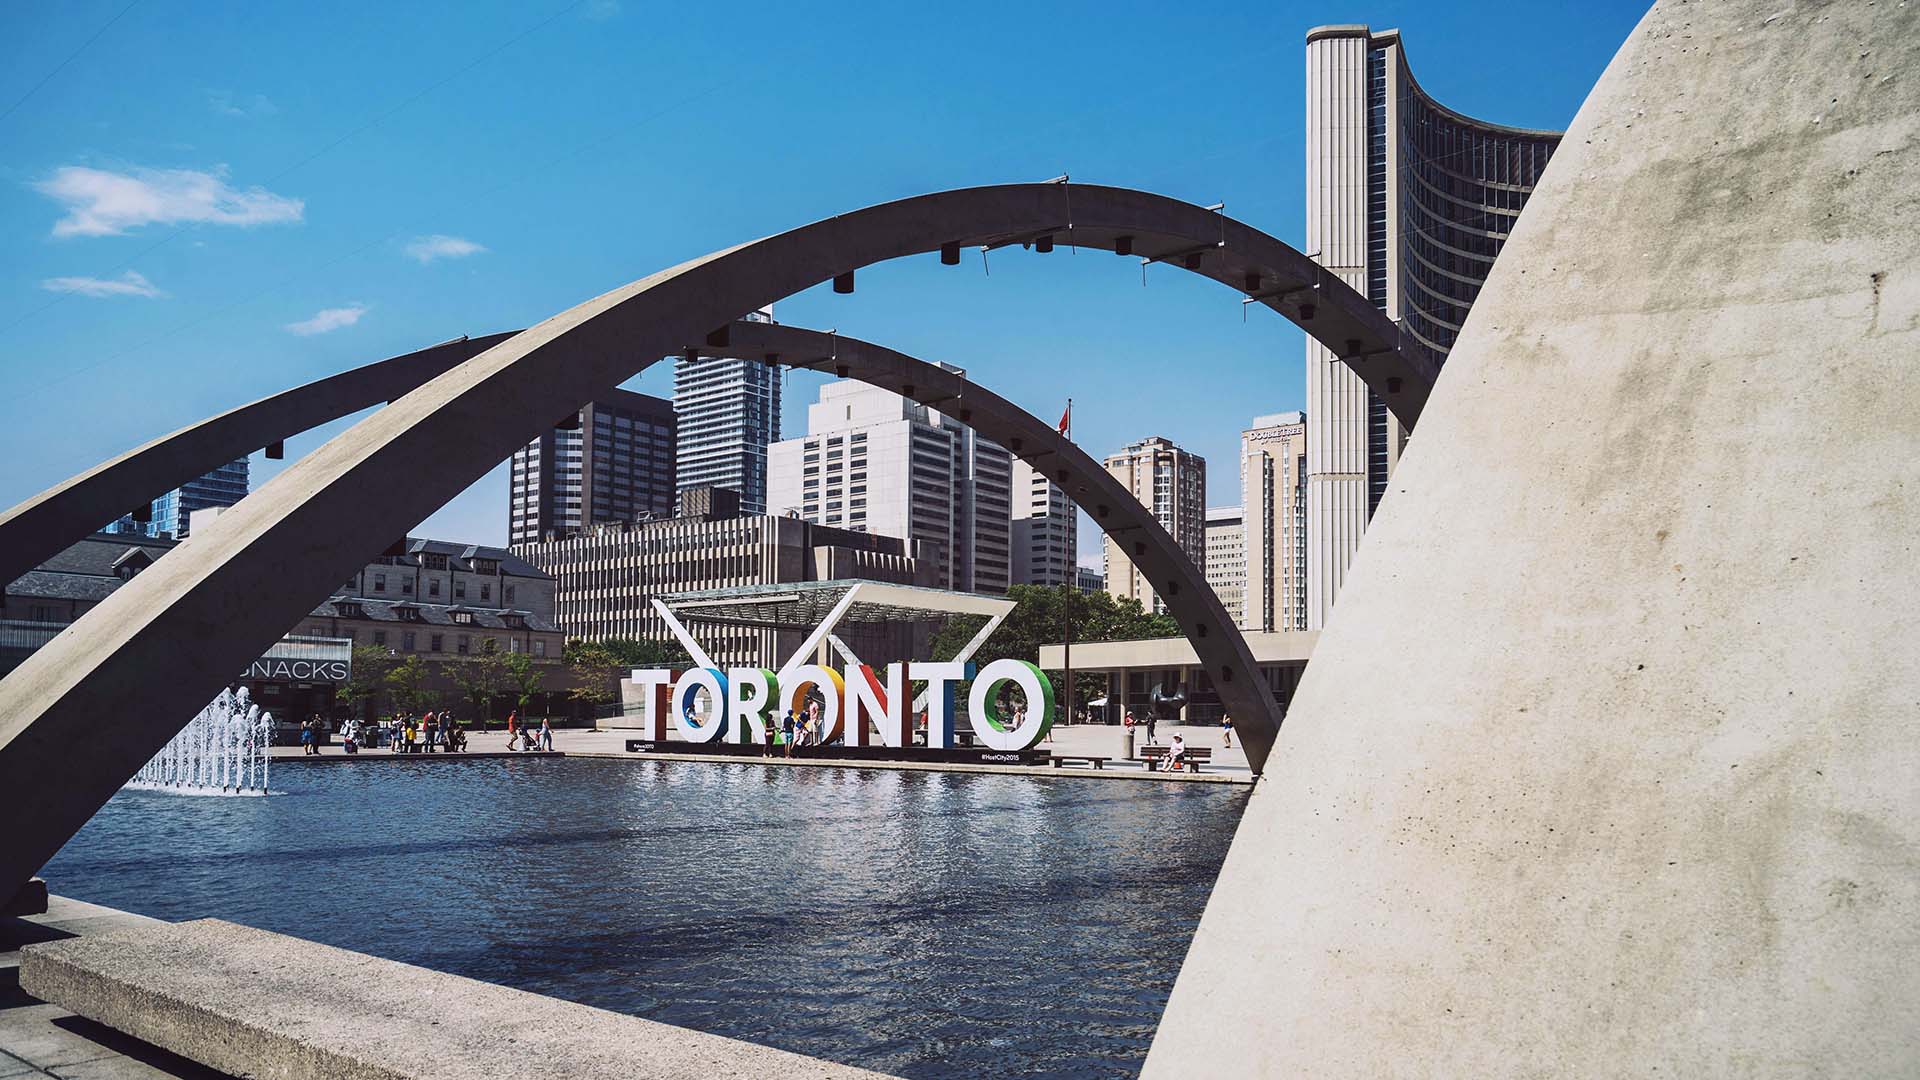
x=1178, y=751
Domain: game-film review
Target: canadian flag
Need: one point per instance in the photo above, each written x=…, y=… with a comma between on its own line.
x=1066, y=419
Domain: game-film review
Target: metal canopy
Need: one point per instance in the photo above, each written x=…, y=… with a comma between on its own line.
x=806, y=605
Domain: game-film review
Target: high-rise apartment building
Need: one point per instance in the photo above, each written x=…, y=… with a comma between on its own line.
x=1226, y=567
x=873, y=461
x=1044, y=529
x=171, y=514
x=1172, y=483
x=729, y=410
x=1273, y=495
x=1408, y=202
x=612, y=462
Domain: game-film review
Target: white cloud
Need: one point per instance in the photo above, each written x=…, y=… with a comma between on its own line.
x=428, y=248
x=224, y=103
x=328, y=319
x=102, y=203
x=131, y=283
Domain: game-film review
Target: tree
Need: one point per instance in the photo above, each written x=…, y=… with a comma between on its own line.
x=371, y=665
x=1040, y=617
x=408, y=683
x=636, y=653
x=597, y=671
x=523, y=678
x=479, y=678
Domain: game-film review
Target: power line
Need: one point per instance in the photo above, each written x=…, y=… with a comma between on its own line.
x=70, y=58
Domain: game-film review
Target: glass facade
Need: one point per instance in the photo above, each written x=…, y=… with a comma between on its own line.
x=170, y=513
x=729, y=413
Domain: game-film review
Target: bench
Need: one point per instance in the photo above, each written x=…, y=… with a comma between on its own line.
x=1196, y=756
x=1094, y=760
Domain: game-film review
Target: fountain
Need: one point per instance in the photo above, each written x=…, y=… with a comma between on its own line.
x=221, y=751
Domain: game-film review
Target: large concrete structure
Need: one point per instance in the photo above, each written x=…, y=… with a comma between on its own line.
x=1605, y=764
x=729, y=413
x=612, y=460
x=1172, y=483
x=1273, y=495
x=1408, y=202
x=874, y=461
x=270, y=556
x=609, y=575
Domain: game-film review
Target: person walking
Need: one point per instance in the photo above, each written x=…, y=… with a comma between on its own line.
x=430, y=731
x=1226, y=730
x=1151, y=720
x=513, y=728
x=306, y=738
x=787, y=724
x=546, y=735
x=766, y=738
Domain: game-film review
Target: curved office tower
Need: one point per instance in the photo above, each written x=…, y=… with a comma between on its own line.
x=1409, y=202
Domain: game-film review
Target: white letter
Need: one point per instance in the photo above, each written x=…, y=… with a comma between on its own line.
x=685, y=692
x=751, y=692
x=988, y=726
x=827, y=681
x=653, y=706
x=940, y=679
x=886, y=707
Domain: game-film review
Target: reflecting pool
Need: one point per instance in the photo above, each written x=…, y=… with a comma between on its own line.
x=923, y=924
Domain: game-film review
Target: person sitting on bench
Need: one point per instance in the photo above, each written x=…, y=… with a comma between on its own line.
x=1177, y=754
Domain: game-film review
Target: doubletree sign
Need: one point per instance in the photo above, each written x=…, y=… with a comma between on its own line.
x=709, y=705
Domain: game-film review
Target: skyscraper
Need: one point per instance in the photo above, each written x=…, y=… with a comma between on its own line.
x=729, y=412
x=1273, y=493
x=1227, y=561
x=170, y=513
x=612, y=462
x=1044, y=530
x=1172, y=483
x=1408, y=202
x=873, y=461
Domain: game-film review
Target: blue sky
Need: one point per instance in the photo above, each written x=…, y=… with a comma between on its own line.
x=210, y=202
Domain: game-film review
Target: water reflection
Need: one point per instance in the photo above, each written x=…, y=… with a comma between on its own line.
x=924, y=924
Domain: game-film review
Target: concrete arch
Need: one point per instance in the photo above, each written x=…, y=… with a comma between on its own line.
x=37, y=529
x=1216, y=639
x=236, y=586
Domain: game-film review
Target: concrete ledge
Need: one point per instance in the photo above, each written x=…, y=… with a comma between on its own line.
x=255, y=1003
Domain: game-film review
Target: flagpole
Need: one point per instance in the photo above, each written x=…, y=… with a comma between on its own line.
x=1073, y=589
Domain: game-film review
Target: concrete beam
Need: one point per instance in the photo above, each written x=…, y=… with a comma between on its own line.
x=253, y=1003
x=1606, y=763
x=43, y=526
x=120, y=678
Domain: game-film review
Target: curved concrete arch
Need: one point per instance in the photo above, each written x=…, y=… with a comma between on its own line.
x=37, y=529
x=1216, y=640
x=234, y=587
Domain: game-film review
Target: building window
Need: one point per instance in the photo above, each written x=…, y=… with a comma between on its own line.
x=486, y=592
x=539, y=647
x=433, y=643
x=406, y=641
x=379, y=583
x=379, y=637
x=43, y=613
x=406, y=586
x=509, y=596
x=459, y=590
x=433, y=587
x=461, y=645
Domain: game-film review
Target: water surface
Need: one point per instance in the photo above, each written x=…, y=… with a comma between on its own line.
x=926, y=924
